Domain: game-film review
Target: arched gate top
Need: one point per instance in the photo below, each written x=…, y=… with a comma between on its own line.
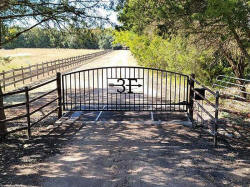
x=125, y=88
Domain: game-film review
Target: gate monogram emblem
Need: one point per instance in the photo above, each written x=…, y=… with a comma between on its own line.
x=123, y=85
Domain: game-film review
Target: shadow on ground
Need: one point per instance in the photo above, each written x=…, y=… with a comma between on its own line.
x=127, y=154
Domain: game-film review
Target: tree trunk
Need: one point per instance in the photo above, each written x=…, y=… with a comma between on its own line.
x=3, y=128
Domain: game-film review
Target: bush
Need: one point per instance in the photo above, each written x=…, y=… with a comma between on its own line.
x=174, y=54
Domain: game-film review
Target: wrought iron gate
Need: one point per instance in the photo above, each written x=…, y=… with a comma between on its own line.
x=125, y=89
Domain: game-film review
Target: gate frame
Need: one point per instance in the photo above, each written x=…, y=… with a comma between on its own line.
x=132, y=67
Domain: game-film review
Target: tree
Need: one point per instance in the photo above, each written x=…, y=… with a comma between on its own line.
x=105, y=39
x=215, y=24
x=33, y=13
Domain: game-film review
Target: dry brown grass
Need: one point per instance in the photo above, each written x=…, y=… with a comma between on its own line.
x=29, y=56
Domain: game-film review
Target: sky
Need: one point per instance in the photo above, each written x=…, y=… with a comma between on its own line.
x=97, y=12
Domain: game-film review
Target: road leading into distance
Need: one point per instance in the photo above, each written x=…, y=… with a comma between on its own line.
x=130, y=149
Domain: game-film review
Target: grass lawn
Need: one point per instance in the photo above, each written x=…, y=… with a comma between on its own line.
x=29, y=56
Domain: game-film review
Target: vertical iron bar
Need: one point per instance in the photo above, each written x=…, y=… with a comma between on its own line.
x=174, y=91
x=134, y=93
x=170, y=92
x=63, y=77
x=184, y=95
x=166, y=91
x=187, y=103
x=129, y=93
x=191, y=97
x=143, y=92
x=102, y=90
x=75, y=89
x=66, y=90
x=152, y=90
x=161, y=89
x=89, y=89
x=80, y=92
x=120, y=102
x=93, y=74
x=139, y=96
x=59, y=93
x=148, y=91
x=70, y=86
x=84, y=89
x=157, y=89
x=107, y=87
x=180, y=93
x=98, y=105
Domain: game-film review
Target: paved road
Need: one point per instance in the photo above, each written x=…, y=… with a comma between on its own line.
x=132, y=149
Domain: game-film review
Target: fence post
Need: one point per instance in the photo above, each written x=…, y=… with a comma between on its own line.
x=37, y=71
x=28, y=110
x=3, y=129
x=56, y=66
x=14, y=78
x=59, y=92
x=30, y=73
x=52, y=68
x=22, y=75
x=43, y=68
x=47, y=67
x=3, y=80
x=191, y=97
x=217, y=95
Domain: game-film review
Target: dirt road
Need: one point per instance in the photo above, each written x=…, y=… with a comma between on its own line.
x=133, y=149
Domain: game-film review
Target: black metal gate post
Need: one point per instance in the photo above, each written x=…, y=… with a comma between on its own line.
x=28, y=111
x=59, y=92
x=216, y=118
x=191, y=97
x=3, y=129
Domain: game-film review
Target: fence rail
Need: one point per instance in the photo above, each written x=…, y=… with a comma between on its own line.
x=29, y=112
x=211, y=109
x=227, y=82
x=19, y=75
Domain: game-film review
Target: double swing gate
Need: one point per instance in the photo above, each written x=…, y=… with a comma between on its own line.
x=125, y=89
